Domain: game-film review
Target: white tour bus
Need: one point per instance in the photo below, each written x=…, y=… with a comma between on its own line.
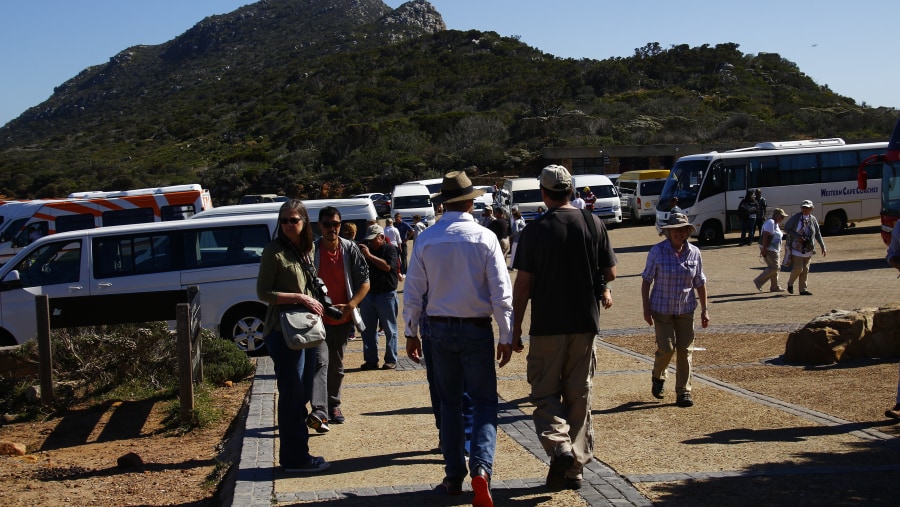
x=140, y=272
x=356, y=211
x=710, y=186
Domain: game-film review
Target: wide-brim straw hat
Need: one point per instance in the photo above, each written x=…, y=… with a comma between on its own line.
x=456, y=187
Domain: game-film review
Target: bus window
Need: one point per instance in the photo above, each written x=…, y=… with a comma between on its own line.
x=177, y=212
x=764, y=172
x=128, y=216
x=736, y=175
x=66, y=223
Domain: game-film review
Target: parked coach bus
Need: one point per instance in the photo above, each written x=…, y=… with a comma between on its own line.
x=886, y=164
x=710, y=186
x=86, y=210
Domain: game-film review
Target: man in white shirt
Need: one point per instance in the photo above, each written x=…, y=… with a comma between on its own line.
x=578, y=202
x=461, y=269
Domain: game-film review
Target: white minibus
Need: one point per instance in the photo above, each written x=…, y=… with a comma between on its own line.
x=139, y=273
x=411, y=199
x=710, y=186
x=608, y=206
x=358, y=211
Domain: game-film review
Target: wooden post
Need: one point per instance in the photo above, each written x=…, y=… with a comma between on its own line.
x=190, y=364
x=45, y=351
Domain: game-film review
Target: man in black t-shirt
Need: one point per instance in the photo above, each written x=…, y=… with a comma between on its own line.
x=554, y=254
x=380, y=304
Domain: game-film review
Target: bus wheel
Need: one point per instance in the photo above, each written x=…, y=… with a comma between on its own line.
x=835, y=222
x=711, y=232
x=245, y=326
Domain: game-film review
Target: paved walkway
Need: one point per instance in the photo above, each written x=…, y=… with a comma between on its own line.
x=259, y=483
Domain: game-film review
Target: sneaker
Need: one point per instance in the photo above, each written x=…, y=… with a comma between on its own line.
x=317, y=422
x=893, y=413
x=451, y=486
x=336, y=417
x=389, y=366
x=572, y=483
x=805, y=293
x=777, y=289
x=658, y=386
x=556, y=477
x=481, y=485
x=684, y=400
x=790, y=289
x=369, y=366
x=314, y=465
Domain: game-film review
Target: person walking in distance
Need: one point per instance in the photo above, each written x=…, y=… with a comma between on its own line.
x=803, y=233
x=380, y=304
x=344, y=270
x=770, y=250
x=406, y=234
x=459, y=266
x=555, y=252
x=500, y=227
x=282, y=281
x=674, y=269
x=589, y=198
x=747, y=212
x=761, y=210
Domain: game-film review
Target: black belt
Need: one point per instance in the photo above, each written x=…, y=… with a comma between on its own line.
x=478, y=321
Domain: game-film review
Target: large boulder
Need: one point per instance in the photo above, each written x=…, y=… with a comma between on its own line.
x=844, y=335
x=828, y=338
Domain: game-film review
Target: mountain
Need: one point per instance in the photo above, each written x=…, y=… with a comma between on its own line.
x=329, y=97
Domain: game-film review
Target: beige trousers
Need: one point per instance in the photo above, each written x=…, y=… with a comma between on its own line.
x=674, y=336
x=560, y=371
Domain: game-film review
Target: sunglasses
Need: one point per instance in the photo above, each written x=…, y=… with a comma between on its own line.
x=329, y=225
x=291, y=220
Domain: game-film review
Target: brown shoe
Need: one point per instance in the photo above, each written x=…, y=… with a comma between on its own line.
x=893, y=413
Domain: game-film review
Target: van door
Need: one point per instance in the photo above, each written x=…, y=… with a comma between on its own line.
x=55, y=269
x=136, y=277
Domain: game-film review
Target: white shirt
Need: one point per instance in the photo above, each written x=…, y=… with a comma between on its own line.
x=772, y=228
x=461, y=268
x=578, y=203
x=392, y=235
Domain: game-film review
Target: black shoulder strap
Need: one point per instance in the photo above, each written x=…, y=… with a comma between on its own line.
x=589, y=218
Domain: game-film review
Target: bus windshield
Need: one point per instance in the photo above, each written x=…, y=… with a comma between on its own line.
x=684, y=183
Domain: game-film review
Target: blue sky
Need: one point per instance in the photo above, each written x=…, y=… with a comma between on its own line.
x=843, y=45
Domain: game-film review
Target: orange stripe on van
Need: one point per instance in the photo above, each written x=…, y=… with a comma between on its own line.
x=72, y=207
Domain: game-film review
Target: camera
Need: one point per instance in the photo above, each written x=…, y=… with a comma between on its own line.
x=320, y=291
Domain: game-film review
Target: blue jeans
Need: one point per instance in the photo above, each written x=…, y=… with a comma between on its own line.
x=294, y=372
x=374, y=308
x=463, y=355
x=747, y=227
x=467, y=407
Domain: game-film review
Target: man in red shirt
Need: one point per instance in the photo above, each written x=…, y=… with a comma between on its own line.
x=589, y=198
x=341, y=265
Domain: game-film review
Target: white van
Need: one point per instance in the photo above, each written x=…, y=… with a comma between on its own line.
x=140, y=273
x=411, y=199
x=608, y=206
x=523, y=194
x=640, y=192
x=358, y=211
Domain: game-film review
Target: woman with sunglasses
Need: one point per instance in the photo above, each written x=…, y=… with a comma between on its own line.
x=282, y=281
